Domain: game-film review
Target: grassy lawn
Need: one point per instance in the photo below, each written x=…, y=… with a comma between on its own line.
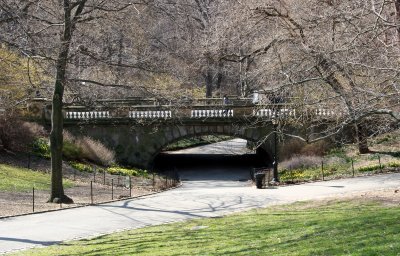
x=20, y=179
x=325, y=228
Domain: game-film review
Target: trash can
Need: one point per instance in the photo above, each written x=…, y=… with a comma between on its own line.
x=259, y=177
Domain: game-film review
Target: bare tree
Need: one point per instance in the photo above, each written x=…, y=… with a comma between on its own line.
x=329, y=52
x=57, y=32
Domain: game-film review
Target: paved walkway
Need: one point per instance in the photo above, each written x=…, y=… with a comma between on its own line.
x=199, y=197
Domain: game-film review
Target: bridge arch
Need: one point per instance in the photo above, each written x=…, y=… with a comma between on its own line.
x=139, y=145
x=264, y=151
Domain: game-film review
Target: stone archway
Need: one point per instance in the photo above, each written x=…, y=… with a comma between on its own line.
x=139, y=145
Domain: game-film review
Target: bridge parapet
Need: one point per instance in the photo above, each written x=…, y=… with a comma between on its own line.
x=209, y=108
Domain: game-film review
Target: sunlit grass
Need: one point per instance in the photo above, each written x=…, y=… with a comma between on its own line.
x=20, y=179
x=334, y=228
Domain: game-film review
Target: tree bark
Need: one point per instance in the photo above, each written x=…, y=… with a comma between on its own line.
x=209, y=83
x=56, y=135
x=362, y=140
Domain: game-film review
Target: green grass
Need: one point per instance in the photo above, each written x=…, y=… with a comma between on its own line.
x=334, y=228
x=21, y=180
x=115, y=170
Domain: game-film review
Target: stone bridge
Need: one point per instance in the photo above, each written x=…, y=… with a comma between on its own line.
x=139, y=129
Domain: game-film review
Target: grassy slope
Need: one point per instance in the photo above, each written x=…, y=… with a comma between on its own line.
x=20, y=179
x=335, y=228
x=338, y=163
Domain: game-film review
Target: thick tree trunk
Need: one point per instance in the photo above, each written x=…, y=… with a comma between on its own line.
x=56, y=137
x=220, y=75
x=209, y=83
x=362, y=139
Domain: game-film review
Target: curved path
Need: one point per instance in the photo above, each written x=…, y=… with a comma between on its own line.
x=204, y=193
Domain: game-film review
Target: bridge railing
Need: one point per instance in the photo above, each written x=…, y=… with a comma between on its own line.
x=203, y=108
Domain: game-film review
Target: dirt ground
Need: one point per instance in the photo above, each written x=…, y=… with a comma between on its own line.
x=105, y=188
x=386, y=196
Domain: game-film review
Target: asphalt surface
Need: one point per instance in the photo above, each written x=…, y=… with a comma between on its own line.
x=214, y=184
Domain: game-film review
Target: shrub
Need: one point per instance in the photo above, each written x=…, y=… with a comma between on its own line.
x=318, y=148
x=336, y=161
x=77, y=148
x=71, y=151
x=290, y=148
x=95, y=151
x=294, y=147
x=301, y=162
x=41, y=147
x=370, y=168
x=393, y=164
x=116, y=170
x=15, y=135
x=81, y=167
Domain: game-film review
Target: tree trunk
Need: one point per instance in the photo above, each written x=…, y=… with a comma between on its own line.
x=220, y=75
x=362, y=139
x=209, y=83
x=56, y=137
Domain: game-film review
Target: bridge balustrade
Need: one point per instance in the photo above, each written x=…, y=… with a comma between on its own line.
x=200, y=108
x=87, y=115
x=273, y=113
x=322, y=112
x=212, y=113
x=159, y=114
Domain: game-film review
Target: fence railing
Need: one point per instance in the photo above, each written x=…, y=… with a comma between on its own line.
x=87, y=188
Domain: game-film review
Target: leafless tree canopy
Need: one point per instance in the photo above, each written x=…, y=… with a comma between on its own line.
x=317, y=51
x=342, y=53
